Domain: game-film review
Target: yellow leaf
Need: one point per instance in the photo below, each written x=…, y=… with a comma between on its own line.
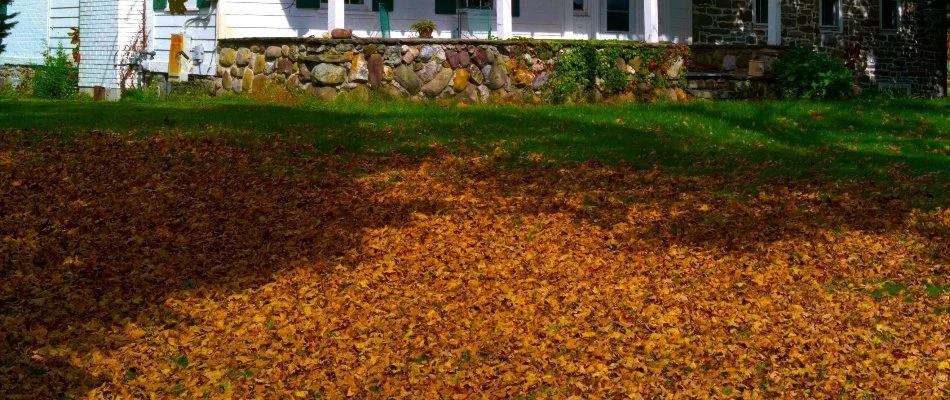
x=214, y=376
x=134, y=332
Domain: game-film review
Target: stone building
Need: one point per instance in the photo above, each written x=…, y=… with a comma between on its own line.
x=894, y=44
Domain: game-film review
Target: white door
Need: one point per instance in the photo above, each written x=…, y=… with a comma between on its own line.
x=617, y=20
x=676, y=21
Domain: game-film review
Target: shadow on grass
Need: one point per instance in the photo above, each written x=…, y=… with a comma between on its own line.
x=832, y=141
x=105, y=233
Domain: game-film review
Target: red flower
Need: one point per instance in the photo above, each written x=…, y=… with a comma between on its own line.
x=652, y=64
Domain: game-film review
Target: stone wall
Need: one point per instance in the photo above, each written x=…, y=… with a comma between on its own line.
x=16, y=79
x=710, y=58
x=466, y=70
x=911, y=57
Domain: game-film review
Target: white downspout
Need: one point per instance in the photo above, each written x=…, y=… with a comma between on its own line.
x=775, y=22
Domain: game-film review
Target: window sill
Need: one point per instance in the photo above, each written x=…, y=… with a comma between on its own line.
x=351, y=11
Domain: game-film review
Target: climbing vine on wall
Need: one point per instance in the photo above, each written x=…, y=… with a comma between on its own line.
x=74, y=40
x=613, y=68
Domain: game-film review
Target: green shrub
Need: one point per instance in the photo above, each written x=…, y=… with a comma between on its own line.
x=614, y=80
x=57, y=78
x=136, y=94
x=148, y=93
x=573, y=72
x=808, y=74
x=192, y=89
x=583, y=67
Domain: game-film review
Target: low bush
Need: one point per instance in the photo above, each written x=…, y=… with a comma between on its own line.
x=150, y=92
x=614, y=68
x=192, y=89
x=573, y=72
x=808, y=74
x=57, y=78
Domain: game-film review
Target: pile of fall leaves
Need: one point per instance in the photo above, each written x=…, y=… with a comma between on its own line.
x=167, y=266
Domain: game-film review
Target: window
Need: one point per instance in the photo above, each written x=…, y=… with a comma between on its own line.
x=161, y=5
x=618, y=15
x=891, y=14
x=451, y=6
x=580, y=7
x=762, y=12
x=830, y=13
x=479, y=4
x=348, y=2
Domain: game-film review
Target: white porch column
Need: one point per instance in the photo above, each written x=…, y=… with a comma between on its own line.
x=503, y=18
x=334, y=14
x=775, y=22
x=651, y=21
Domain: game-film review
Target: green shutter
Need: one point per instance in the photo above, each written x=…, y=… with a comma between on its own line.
x=445, y=6
x=204, y=3
x=515, y=8
x=159, y=5
x=388, y=3
x=308, y=3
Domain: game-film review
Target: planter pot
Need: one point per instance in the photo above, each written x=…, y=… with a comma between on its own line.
x=341, y=33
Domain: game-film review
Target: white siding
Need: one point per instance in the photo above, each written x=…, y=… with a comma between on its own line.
x=28, y=38
x=63, y=15
x=542, y=19
x=110, y=27
x=98, y=25
x=676, y=21
x=281, y=18
x=199, y=24
x=133, y=16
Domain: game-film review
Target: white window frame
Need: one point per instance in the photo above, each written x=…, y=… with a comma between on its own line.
x=838, y=18
x=900, y=16
x=756, y=11
x=490, y=6
x=366, y=6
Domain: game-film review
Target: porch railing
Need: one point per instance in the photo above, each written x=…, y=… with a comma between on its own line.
x=474, y=23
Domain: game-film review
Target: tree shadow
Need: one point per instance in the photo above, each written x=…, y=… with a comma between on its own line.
x=98, y=235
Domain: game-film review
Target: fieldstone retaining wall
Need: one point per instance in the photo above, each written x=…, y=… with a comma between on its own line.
x=18, y=78
x=466, y=70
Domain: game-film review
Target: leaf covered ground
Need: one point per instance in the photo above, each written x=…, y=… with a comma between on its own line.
x=169, y=265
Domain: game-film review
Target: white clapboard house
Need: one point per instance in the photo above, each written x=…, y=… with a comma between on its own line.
x=107, y=27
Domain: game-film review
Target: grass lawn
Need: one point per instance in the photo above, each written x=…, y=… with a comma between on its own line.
x=234, y=249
